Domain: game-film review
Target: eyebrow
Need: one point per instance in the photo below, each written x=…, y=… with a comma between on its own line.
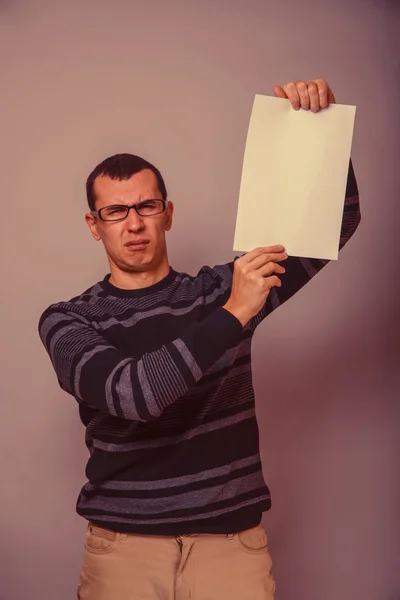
x=121, y=203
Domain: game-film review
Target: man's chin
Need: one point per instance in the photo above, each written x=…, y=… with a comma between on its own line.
x=139, y=264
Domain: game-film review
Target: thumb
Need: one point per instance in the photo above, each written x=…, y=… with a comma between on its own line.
x=279, y=93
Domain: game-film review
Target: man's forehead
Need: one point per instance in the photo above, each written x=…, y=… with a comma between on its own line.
x=142, y=183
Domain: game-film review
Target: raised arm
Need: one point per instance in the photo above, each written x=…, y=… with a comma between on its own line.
x=104, y=378
x=311, y=95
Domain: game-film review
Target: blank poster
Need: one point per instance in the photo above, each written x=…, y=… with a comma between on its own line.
x=294, y=178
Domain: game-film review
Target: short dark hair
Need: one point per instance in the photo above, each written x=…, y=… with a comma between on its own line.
x=121, y=166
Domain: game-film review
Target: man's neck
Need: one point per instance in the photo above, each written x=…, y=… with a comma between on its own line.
x=138, y=280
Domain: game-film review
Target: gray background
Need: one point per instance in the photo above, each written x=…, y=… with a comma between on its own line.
x=174, y=81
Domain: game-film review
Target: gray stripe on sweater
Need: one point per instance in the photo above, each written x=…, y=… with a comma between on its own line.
x=172, y=482
x=85, y=358
x=187, y=500
x=50, y=321
x=109, y=386
x=161, y=310
x=172, y=440
x=188, y=358
x=150, y=400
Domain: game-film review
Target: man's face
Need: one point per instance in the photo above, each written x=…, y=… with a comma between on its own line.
x=121, y=238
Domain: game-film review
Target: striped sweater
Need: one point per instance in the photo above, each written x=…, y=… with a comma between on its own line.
x=162, y=377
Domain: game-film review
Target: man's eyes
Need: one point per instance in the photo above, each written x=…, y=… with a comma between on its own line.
x=114, y=210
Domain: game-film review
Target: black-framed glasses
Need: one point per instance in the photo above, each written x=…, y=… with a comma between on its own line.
x=119, y=212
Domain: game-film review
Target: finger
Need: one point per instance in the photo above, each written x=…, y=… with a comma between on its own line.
x=264, y=259
x=292, y=94
x=279, y=92
x=326, y=96
x=322, y=92
x=270, y=282
x=259, y=251
x=302, y=90
x=270, y=268
x=314, y=96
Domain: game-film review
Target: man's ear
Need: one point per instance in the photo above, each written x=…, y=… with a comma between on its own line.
x=169, y=211
x=92, y=224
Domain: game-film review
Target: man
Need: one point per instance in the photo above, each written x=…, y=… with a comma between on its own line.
x=159, y=362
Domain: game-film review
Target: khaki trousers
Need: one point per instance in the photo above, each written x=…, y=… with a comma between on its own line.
x=119, y=566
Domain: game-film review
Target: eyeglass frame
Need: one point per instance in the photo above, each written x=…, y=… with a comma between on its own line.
x=97, y=213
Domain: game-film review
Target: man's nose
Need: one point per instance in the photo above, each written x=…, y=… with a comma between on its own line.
x=134, y=221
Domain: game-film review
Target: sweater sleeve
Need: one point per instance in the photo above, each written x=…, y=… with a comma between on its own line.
x=102, y=377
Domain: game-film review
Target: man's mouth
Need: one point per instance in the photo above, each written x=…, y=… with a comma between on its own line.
x=137, y=245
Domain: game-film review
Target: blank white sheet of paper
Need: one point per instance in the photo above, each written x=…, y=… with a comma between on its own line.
x=294, y=178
